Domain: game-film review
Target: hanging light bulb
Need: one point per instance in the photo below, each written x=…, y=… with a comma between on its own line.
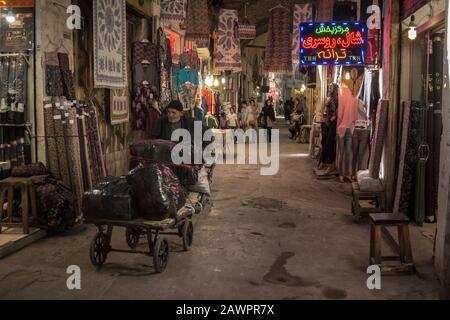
x=347, y=75
x=209, y=81
x=224, y=80
x=216, y=82
x=412, y=33
x=10, y=18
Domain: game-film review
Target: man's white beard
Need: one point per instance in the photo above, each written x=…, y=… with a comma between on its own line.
x=171, y=120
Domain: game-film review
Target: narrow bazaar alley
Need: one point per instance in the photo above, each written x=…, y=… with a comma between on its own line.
x=197, y=150
x=287, y=236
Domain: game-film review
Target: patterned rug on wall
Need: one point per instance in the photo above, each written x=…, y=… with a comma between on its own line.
x=173, y=10
x=228, y=57
x=302, y=13
x=110, y=52
x=278, y=57
x=197, y=21
x=119, y=106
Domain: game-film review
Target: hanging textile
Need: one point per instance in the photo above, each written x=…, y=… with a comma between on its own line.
x=53, y=76
x=190, y=59
x=187, y=94
x=228, y=56
x=406, y=181
x=302, y=13
x=118, y=102
x=146, y=64
x=278, y=56
x=67, y=76
x=173, y=10
x=142, y=103
x=144, y=52
x=166, y=90
x=247, y=31
x=197, y=20
x=379, y=138
x=187, y=75
x=110, y=52
x=325, y=10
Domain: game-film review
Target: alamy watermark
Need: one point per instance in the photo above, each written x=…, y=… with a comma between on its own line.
x=374, y=280
x=74, y=280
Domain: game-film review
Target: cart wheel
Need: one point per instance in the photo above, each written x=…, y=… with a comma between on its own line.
x=132, y=236
x=180, y=229
x=161, y=254
x=198, y=208
x=99, y=249
x=188, y=235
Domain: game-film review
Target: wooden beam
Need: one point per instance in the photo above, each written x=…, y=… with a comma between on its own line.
x=432, y=23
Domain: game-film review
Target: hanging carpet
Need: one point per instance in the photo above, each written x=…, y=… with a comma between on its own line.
x=197, y=20
x=302, y=13
x=110, y=52
x=173, y=10
x=228, y=56
x=278, y=58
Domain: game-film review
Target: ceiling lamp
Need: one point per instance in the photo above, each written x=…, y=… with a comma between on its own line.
x=412, y=33
x=216, y=82
x=209, y=81
x=224, y=80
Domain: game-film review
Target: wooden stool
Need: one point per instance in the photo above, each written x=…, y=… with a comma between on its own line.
x=28, y=196
x=358, y=195
x=400, y=221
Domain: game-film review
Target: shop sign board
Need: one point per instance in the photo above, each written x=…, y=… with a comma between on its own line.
x=335, y=43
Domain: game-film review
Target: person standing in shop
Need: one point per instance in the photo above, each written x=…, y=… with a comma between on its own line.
x=232, y=119
x=243, y=115
x=268, y=116
x=252, y=115
x=329, y=130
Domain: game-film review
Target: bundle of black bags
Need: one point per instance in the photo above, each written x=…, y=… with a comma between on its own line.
x=160, y=152
x=149, y=191
x=110, y=199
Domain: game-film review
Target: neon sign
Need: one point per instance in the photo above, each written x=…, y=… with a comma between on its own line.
x=332, y=43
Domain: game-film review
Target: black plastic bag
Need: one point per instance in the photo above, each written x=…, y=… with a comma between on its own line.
x=55, y=204
x=156, y=191
x=110, y=199
x=160, y=152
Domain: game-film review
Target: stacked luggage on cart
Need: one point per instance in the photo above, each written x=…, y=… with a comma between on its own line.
x=152, y=199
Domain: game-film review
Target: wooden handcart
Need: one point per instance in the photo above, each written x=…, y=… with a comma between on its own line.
x=135, y=229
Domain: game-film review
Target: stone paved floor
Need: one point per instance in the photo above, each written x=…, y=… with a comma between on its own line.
x=287, y=236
